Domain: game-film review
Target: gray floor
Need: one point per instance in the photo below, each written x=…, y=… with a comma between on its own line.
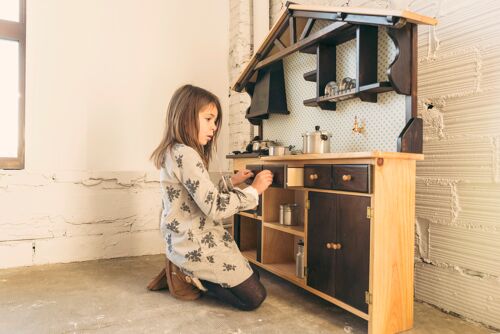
x=109, y=296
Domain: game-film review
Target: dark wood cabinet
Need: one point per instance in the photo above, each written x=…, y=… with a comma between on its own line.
x=338, y=246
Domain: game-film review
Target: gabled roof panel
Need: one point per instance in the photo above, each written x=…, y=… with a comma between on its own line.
x=302, y=16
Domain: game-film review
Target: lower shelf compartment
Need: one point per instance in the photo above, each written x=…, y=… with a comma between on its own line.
x=250, y=254
x=287, y=272
x=283, y=270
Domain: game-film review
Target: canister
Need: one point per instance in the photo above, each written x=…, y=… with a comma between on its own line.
x=316, y=141
x=288, y=214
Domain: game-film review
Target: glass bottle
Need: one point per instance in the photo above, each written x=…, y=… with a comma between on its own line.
x=299, y=260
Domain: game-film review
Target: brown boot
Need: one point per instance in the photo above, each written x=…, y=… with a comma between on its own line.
x=179, y=284
x=159, y=282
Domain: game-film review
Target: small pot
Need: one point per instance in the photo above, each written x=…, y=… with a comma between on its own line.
x=259, y=145
x=280, y=150
x=316, y=141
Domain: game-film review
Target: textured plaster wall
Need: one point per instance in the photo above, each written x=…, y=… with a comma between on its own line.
x=99, y=77
x=458, y=185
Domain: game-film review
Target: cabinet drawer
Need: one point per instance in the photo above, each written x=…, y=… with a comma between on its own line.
x=255, y=169
x=279, y=174
x=318, y=176
x=284, y=176
x=351, y=178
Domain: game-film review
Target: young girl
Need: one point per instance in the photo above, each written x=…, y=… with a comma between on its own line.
x=201, y=255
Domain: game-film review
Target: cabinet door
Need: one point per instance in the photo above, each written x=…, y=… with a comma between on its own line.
x=352, y=259
x=320, y=231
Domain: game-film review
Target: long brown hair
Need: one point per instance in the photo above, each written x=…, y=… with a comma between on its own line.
x=182, y=123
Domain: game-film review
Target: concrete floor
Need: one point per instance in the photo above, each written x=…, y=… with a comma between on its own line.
x=109, y=296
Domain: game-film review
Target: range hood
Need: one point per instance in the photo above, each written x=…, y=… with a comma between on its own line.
x=269, y=95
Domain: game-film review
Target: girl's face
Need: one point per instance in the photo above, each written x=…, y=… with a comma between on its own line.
x=207, y=118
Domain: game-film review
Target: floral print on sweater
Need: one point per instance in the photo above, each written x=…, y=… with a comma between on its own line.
x=192, y=205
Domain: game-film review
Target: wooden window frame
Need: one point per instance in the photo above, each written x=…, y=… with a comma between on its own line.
x=16, y=31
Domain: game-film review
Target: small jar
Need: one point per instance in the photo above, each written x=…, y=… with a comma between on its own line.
x=288, y=214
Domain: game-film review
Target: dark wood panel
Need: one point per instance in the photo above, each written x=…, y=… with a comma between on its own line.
x=318, y=176
x=320, y=231
x=366, y=59
x=255, y=169
x=278, y=175
x=410, y=140
x=236, y=229
x=258, y=224
x=351, y=178
x=352, y=259
x=400, y=70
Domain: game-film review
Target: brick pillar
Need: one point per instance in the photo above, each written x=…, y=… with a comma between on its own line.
x=240, y=52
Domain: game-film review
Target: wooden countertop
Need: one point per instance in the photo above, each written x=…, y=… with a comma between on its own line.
x=344, y=155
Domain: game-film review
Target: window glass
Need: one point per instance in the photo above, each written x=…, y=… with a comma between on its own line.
x=9, y=97
x=9, y=10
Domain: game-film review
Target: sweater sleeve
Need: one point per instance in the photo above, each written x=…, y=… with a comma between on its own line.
x=214, y=201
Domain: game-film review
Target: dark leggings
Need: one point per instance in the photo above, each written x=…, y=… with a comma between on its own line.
x=246, y=296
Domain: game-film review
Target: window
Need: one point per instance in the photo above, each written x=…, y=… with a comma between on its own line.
x=12, y=78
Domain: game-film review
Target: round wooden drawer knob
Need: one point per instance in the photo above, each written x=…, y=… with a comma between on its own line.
x=313, y=177
x=346, y=178
x=333, y=245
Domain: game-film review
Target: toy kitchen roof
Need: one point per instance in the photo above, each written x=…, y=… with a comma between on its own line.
x=292, y=32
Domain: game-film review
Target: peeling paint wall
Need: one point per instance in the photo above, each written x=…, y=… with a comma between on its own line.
x=99, y=77
x=458, y=189
x=240, y=51
x=458, y=185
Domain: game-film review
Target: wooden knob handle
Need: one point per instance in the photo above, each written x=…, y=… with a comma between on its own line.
x=346, y=178
x=329, y=245
x=313, y=177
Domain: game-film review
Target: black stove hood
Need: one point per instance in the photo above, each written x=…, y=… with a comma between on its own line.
x=268, y=95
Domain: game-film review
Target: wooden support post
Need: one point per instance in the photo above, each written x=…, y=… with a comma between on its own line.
x=307, y=28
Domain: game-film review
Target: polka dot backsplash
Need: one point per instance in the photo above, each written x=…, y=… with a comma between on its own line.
x=383, y=120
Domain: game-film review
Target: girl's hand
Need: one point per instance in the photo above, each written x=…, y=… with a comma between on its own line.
x=262, y=181
x=241, y=176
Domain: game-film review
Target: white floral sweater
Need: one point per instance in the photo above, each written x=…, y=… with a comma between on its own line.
x=196, y=242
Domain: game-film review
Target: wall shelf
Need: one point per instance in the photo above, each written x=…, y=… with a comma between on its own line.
x=375, y=88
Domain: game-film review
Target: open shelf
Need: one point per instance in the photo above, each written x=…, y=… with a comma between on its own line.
x=247, y=234
x=250, y=254
x=375, y=88
x=250, y=215
x=283, y=270
x=310, y=76
x=295, y=230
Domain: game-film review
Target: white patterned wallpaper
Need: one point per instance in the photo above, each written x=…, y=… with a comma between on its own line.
x=383, y=120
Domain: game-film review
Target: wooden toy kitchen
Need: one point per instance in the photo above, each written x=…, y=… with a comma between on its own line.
x=354, y=211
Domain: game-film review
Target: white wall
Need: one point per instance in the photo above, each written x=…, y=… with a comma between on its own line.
x=99, y=77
